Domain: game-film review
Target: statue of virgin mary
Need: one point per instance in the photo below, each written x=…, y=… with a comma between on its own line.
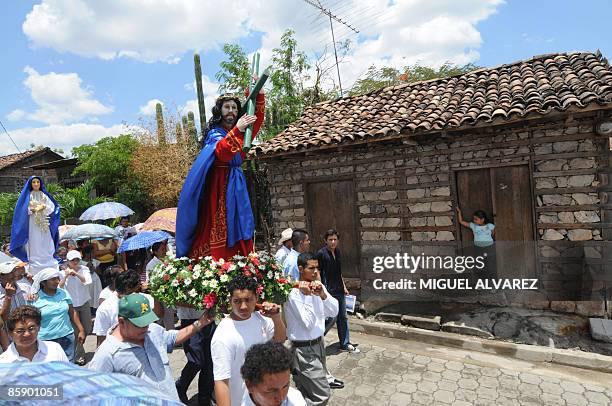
x=34, y=233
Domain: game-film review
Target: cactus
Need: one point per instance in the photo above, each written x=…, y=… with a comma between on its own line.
x=161, y=131
x=185, y=129
x=179, y=133
x=193, y=132
x=201, y=106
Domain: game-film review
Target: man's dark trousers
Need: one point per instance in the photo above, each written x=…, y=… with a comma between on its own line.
x=197, y=351
x=341, y=320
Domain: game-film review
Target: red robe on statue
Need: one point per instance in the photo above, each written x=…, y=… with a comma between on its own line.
x=211, y=232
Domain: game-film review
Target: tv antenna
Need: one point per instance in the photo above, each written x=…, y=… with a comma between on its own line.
x=317, y=4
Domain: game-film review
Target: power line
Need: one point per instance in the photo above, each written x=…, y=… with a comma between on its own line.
x=9, y=135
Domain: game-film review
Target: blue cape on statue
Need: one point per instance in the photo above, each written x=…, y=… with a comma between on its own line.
x=240, y=222
x=20, y=229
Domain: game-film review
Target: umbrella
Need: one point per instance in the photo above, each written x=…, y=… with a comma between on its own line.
x=138, y=227
x=64, y=229
x=143, y=240
x=87, y=231
x=106, y=210
x=164, y=219
x=81, y=386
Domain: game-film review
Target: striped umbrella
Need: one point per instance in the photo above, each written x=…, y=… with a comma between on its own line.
x=106, y=210
x=143, y=240
x=87, y=231
x=164, y=219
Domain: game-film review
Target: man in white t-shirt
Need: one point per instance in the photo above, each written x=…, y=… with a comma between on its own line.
x=107, y=314
x=236, y=333
x=267, y=375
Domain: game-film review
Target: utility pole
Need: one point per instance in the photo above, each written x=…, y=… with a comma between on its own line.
x=332, y=17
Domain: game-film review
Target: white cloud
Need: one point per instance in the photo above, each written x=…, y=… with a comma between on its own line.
x=15, y=115
x=211, y=92
x=397, y=33
x=61, y=98
x=59, y=136
x=147, y=30
x=149, y=109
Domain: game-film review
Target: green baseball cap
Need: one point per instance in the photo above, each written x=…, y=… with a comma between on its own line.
x=137, y=309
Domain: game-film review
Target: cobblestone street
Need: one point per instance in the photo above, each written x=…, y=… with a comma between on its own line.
x=394, y=372
x=398, y=372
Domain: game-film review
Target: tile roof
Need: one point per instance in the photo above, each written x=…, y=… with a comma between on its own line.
x=536, y=86
x=9, y=160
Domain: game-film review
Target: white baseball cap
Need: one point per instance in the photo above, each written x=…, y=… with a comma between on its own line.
x=73, y=254
x=8, y=266
x=285, y=236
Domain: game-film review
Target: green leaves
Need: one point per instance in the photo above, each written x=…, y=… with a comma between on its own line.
x=286, y=95
x=107, y=162
x=378, y=78
x=8, y=201
x=235, y=71
x=76, y=200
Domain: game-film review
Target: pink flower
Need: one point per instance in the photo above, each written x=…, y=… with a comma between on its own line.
x=282, y=280
x=226, y=266
x=210, y=300
x=247, y=273
x=166, y=278
x=255, y=261
x=260, y=289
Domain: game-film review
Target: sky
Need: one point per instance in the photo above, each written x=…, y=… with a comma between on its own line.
x=74, y=71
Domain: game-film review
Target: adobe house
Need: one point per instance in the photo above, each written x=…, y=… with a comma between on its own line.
x=527, y=142
x=15, y=169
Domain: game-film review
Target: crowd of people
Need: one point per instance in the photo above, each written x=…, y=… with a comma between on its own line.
x=248, y=358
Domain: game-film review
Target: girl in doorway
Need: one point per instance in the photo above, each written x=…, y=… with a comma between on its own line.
x=482, y=228
x=484, y=243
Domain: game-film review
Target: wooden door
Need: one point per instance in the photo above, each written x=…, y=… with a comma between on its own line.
x=504, y=193
x=332, y=205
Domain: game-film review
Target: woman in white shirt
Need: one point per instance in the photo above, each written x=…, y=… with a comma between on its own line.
x=159, y=250
x=76, y=280
x=23, y=325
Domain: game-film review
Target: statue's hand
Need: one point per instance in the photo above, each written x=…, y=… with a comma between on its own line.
x=245, y=121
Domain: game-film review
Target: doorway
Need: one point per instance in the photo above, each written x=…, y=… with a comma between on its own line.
x=505, y=194
x=331, y=204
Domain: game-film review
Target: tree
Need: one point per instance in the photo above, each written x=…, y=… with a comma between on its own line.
x=235, y=71
x=74, y=201
x=8, y=201
x=378, y=78
x=107, y=163
x=286, y=96
x=158, y=172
